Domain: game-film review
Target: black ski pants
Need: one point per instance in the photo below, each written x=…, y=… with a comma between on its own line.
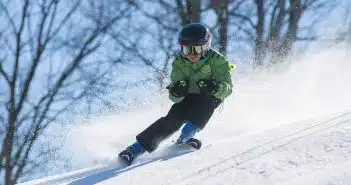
x=196, y=108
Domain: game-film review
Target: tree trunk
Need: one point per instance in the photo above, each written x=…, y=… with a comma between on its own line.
x=222, y=14
x=9, y=145
x=194, y=13
x=260, y=49
x=291, y=35
x=182, y=12
x=348, y=39
x=190, y=13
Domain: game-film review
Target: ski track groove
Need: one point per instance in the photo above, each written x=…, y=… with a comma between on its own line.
x=270, y=150
x=334, y=121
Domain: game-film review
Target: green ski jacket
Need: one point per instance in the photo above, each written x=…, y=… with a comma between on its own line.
x=212, y=65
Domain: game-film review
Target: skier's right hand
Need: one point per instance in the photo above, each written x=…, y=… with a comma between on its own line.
x=179, y=89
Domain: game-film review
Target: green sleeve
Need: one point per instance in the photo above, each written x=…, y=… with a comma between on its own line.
x=221, y=72
x=176, y=75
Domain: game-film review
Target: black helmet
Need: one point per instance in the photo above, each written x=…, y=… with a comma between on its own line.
x=194, y=38
x=194, y=34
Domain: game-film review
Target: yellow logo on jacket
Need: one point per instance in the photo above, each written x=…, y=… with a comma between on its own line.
x=206, y=69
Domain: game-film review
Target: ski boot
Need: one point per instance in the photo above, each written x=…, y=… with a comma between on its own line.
x=195, y=143
x=187, y=136
x=128, y=155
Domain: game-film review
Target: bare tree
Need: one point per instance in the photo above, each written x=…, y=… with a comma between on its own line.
x=275, y=25
x=49, y=61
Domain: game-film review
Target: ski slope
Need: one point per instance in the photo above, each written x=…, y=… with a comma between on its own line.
x=283, y=129
x=314, y=152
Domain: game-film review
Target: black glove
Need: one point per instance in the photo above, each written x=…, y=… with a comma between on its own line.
x=208, y=86
x=179, y=89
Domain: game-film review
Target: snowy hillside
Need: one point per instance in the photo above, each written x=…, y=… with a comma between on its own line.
x=314, y=152
x=277, y=129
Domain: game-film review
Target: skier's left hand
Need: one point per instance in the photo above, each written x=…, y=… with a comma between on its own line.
x=208, y=86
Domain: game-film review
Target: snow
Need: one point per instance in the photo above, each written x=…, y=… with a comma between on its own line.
x=277, y=129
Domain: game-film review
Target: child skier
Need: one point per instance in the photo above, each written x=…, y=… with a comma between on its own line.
x=200, y=81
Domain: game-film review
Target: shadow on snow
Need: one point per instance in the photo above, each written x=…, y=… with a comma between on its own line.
x=115, y=171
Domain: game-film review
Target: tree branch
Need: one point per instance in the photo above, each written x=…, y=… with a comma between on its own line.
x=64, y=20
x=243, y=17
x=134, y=49
x=11, y=20
x=155, y=18
x=37, y=58
x=2, y=71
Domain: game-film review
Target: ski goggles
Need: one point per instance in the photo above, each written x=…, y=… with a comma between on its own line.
x=187, y=50
x=194, y=49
